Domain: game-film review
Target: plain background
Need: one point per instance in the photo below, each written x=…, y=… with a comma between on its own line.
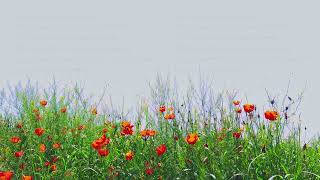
x=247, y=46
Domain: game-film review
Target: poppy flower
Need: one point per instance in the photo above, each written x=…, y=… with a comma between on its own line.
x=6, y=175
x=56, y=146
x=63, y=110
x=81, y=127
x=129, y=155
x=43, y=103
x=15, y=140
x=236, y=135
x=54, y=159
x=53, y=167
x=236, y=102
x=103, y=152
x=19, y=125
x=149, y=171
x=147, y=133
x=126, y=128
x=162, y=109
x=18, y=153
x=94, y=111
x=42, y=148
x=47, y=164
x=239, y=110
x=169, y=116
x=192, y=138
x=248, y=108
x=271, y=115
x=102, y=141
x=161, y=149
x=27, y=178
x=39, y=131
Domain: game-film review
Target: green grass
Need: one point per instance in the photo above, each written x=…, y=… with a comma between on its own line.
x=266, y=149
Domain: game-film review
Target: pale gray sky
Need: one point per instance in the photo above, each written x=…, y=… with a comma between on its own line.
x=244, y=45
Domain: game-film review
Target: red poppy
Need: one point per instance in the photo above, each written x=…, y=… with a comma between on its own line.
x=169, y=116
x=149, y=171
x=54, y=159
x=236, y=135
x=192, y=138
x=56, y=146
x=103, y=152
x=162, y=109
x=147, y=133
x=63, y=110
x=129, y=155
x=27, y=178
x=43, y=103
x=18, y=153
x=53, y=167
x=271, y=115
x=39, y=131
x=161, y=149
x=102, y=141
x=15, y=140
x=239, y=110
x=81, y=127
x=6, y=175
x=248, y=108
x=47, y=164
x=19, y=125
x=236, y=102
x=42, y=148
x=126, y=128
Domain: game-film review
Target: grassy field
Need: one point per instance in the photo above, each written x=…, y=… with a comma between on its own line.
x=192, y=134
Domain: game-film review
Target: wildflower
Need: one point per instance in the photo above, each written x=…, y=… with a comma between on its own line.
x=47, y=164
x=19, y=125
x=192, y=138
x=126, y=128
x=56, y=146
x=6, y=175
x=149, y=171
x=15, y=140
x=103, y=152
x=42, y=148
x=162, y=109
x=248, y=108
x=271, y=115
x=81, y=127
x=35, y=111
x=238, y=110
x=39, y=131
x=27, y=178
x=236, y=135
x=161, y=149
x=54, y=159
x=18, y=153
x=43, y=103
x=147, y=133
x=236, y=102
x=63, y=110
x=53, y=167
x=169, y=116
x=98, y=143
x=94, y=111
x=129, y=155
